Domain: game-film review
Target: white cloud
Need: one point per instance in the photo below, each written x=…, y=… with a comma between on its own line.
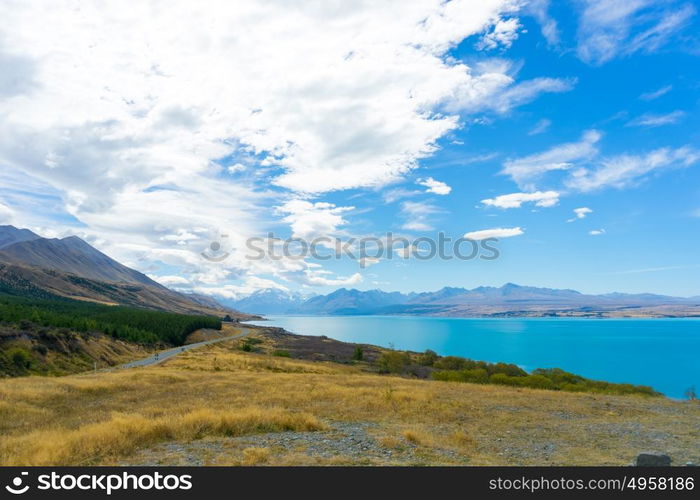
x=502, y=34
x=311, y=220
x=655, y=94
x=610, y=28
x=515, y=200
x=137, y=117
x=7, y=215
x=170, y=280
x=498, y=232
x=396, y=194
x=597, y=232
x=580, y=213
x=435, y=187
x=250, y=285
x=540, y=127
x=494, y=88
x=417, y=215
x=369, y=261
x=656, y=120
x=525, y=171
x=235, y=168
x=318, y=278
x=625, y=170
x=539, y=9
x=585, y=169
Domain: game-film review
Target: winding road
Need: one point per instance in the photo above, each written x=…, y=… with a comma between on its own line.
x=161, y=356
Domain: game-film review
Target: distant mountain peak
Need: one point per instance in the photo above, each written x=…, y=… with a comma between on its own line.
x=70, y=255
x=10, y=235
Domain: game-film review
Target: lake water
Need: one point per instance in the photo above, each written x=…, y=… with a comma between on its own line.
x=662, y=353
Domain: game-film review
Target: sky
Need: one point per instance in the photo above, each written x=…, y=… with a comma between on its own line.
x=171, y=133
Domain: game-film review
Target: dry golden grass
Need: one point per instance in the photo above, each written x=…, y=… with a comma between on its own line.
x=123, y=433
x=256, y=456
x=220, y=392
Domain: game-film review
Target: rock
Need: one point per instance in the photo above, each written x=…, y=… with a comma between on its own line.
x=652, y=459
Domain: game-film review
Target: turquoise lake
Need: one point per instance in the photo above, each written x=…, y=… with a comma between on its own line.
x=662, y=353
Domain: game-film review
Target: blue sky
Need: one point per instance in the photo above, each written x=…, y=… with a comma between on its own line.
x=569, y=129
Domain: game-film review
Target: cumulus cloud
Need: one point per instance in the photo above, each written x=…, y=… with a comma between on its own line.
x=515, y=200
x=580, y=213
x=611, y=28
x=319, y=278
x=502, y=34
x=310, y=220
x=497, y=232
x=141, y=122
x=435, y=187
x=250, y=285
x=495, y=89
x=527, y=170
x=656, y=120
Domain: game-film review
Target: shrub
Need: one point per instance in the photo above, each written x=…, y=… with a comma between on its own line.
x=41, y=349
x=282, y=354
x=246, y=347
x=450, y=363
x=428, y=358
x=538, y=382
x=358, y=355
x=20, y=357
x=503, y=379
x=507, y=369
x=393, y=361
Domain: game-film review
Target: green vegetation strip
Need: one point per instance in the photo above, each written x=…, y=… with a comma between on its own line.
x=456, y=369
x=126, y=323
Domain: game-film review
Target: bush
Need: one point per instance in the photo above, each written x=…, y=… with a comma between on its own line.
x=358, y=355
x=450, y=363
x=282, y=354
x=20, y=357
x=393, y=361
x=538, y=382
x=428, y=358
x=507, y=369
x=246, y=346
x=41, y=349
x=503, y=379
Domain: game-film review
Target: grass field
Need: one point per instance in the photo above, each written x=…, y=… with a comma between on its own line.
x=221, y=406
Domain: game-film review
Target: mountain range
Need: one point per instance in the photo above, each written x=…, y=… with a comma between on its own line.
x=70, y=267
x=507, y=300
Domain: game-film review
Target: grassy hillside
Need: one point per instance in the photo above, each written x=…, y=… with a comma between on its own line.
x=38, y=350
x=221, y=405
